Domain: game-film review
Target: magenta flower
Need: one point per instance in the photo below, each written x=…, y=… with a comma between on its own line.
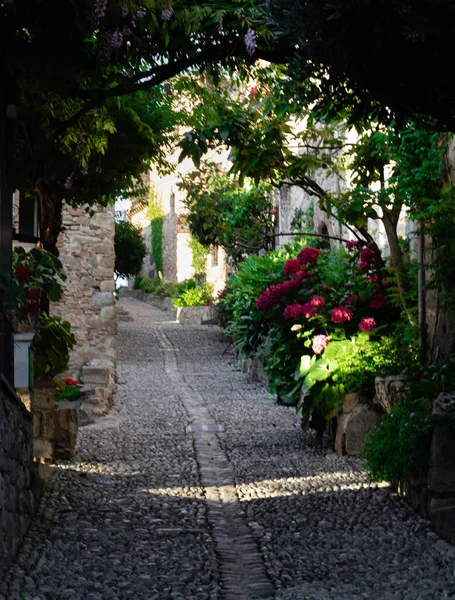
x=308, y=255
x=367, y=324
x=293, y=311
x=352, y=300
x=378, y=301
x=319, y=343
x=291, y=266
x=352, y=245
x=340, y=314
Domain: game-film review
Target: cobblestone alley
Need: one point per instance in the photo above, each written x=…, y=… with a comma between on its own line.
x=197, y=486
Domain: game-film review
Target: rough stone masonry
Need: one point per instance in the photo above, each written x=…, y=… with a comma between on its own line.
x=87, y=252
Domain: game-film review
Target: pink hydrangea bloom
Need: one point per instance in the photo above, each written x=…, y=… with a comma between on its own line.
x=319, y=343
x=291, y=266
x=367, y=324
x=311, y=308
x=352, y=300
x=308, y=255
x=378, y=301
x=340, y=314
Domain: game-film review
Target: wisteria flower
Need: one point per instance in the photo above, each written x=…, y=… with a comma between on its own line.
x=308, y=255
x=99, y=12
x=319, y=343
x=68, y=182
x=367, y=324
x=340, y=315
x=292, y=266
x=166, y=13
x=250, y=41
x=377, y=301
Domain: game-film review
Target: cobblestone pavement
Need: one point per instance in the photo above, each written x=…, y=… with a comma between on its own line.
x=197, y=486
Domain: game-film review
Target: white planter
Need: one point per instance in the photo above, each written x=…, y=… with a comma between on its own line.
x=23, y=360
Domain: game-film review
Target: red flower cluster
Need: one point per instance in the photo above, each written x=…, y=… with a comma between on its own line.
x=352, y=245
x=367, y=324
x=378, y=301
x=272, y=295
x=70, y=381
x=309, y=309
x=22, y=274
x=368, y=258
x=33, y=293
x=291, y=266
x=340, y=314
x=308, y=255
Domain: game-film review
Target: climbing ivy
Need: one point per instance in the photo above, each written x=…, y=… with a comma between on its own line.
x=199, y=253
x=156, y=216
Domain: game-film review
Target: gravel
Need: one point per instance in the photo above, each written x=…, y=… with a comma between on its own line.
x=130, y=517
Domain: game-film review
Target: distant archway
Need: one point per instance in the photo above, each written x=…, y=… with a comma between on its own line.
x=324, y=243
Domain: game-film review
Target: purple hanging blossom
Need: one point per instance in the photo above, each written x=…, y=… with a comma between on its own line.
x=167, y=89
x=166, y=13
x=68, y=182
x=250, y=42
x=125, y=10
x=84, y=171
x=99, y=12
x=141, y=13
x=98, y=170
x=112, y=41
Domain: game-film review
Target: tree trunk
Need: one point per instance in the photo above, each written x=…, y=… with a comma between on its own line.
x=50, y=216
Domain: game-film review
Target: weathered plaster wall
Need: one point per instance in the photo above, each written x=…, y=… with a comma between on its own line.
x=87, y=251
x=16, y=473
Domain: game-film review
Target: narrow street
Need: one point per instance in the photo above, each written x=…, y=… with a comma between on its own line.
x=197, y=486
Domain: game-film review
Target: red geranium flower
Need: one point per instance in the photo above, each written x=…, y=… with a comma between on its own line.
x=308, y=255
x=33, y=293
x=22, y=274
x=340, y=314
x=367, y=324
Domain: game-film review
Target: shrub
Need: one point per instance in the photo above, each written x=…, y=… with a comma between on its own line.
x=130, y=249
x=198, y=296
x=54, y=340
x=398, y=448
x=137, y=283
x=150, y=285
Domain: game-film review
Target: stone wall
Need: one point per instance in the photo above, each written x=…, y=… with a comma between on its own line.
x=16, y=472
x=87, y=251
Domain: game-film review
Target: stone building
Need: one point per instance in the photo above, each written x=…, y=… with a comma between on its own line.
x=87, y=252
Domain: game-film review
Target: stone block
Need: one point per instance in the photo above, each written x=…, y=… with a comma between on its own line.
x=107, y=286
x=102, y=299
x=442, y=515
x=340, y=438
x=95, y=375
x=43, y=448
x=360, y=422
x=350, y=402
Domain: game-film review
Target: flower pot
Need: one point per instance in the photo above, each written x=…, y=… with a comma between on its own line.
x=23, y=360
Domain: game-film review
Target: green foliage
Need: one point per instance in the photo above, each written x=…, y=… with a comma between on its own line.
x=398, y=448
x=199, y=254
x=67, y=389
x=200, y=295
x=156, y=215
x=54, y=340
x=158, y=287
x=130, y=249
x=137, y=283
x=224, y=213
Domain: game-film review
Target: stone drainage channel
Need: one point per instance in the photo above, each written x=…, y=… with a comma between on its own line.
x=243, y=573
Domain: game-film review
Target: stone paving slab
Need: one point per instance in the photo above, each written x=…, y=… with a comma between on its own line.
x=197, y=486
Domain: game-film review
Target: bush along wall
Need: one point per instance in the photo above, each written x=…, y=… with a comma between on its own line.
x=323, y=321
